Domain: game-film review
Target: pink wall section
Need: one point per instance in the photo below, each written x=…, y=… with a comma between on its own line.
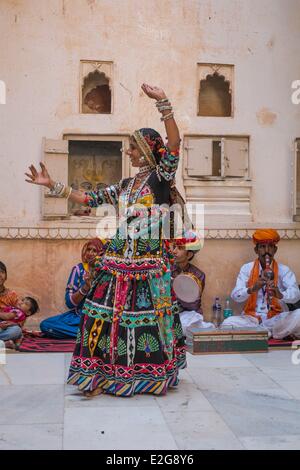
x=40, y=268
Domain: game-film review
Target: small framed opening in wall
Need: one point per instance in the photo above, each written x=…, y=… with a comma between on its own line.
x=85, y=162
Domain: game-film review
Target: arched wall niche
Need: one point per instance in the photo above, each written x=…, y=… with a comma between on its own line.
x=215, y=94
x=96, y=95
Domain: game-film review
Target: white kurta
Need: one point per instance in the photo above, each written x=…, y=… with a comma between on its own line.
x=284, y=324
x=192, y=319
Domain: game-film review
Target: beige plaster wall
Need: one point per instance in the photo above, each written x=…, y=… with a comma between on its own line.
x=161, y=42
x=40, y=268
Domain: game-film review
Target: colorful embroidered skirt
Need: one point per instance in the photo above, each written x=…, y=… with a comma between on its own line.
x=130, y=338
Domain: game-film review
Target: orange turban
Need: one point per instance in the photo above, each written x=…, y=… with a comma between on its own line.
x=265, y=235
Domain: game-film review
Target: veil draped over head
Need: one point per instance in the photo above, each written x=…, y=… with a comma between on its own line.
x=152, y=146
x=100, y=246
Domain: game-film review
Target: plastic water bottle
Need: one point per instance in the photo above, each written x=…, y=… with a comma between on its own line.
x=217, y=312
x=227, y=310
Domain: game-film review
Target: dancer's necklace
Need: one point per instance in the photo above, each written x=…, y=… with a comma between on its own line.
x=143, y=171
x=131, y=195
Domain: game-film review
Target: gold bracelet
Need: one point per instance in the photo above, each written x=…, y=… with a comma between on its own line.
x=70, y=190
x=66, y=192
x=167, y=116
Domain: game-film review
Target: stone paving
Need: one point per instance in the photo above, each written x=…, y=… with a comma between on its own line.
x=234, y=401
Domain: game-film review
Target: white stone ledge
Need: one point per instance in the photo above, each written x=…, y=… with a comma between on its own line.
x=83, y=233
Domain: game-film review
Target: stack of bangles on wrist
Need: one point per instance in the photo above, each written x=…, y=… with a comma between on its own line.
x=60, y=190
x=82, y=292
x=165, y=105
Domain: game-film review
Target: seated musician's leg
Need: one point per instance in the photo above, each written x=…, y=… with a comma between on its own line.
x=287, y=324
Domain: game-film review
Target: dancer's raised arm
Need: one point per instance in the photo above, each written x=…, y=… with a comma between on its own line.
x=164, y=106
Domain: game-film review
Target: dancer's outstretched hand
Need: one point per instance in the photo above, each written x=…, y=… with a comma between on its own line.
x=42, y=178
x=153, y=92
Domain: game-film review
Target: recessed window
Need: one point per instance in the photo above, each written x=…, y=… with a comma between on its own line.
x=215, y=157
x=93, y=165
x=85, y=162
x=96, y=87
x=215, y=90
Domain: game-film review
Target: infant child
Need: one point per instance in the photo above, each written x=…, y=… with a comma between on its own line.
x=11, y=315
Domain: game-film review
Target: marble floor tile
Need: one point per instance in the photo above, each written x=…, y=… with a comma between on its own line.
x=33, y=368
x=116, y=428
x=187, y=397
x=229, y=379
x=31, y=436
x=68, y=357
x=222, y=402
x=282, y=374
x=278, y=392
x=185, y=376
x=217, y=360
x=74, y=398
x=257, y=413
x=31, y=404
x=292, y=387
x=200, y=430
x=273, y=358
x=291, y=442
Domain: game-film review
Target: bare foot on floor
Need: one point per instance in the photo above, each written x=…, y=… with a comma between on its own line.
x=9, y=344
x=93, y=393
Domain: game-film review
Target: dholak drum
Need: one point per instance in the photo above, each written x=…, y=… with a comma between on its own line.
x=187, y=287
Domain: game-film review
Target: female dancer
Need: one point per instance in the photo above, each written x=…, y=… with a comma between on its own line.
x=130, y=338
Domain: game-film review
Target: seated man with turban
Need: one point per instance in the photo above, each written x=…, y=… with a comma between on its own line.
x=184, y=250
x=267, y=291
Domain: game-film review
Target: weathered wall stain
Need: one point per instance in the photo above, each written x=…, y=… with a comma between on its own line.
x=128, y=91
x=64, y=110
x=91, y=3
x=270, y=43
x=266, y=117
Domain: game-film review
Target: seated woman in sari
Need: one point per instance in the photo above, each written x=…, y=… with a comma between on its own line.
x=66, y=324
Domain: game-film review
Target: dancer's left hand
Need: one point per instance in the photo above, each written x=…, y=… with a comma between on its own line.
x=153, y=92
